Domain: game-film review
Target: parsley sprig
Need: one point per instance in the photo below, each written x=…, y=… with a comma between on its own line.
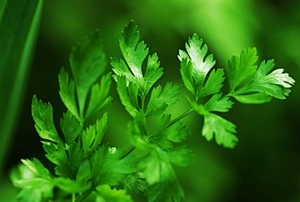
x=88, y=169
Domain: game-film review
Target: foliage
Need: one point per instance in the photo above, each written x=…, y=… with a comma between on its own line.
x=86, y=168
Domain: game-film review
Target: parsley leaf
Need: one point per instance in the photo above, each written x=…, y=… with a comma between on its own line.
x=87, y=61
x=34, y=179
x=43, y=117
x=260, y=85
x=223, y=130
x=161, y=98
x=241, y=68
x=195, y=66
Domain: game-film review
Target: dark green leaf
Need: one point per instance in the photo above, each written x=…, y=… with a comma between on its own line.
x=87, y=62
x=70, y=127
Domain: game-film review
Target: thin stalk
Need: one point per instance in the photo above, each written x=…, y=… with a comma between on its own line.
x=179, y=117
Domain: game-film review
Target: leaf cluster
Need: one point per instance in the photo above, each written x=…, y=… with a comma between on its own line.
x=248, y=83
x=83, y=165
x=86, y=169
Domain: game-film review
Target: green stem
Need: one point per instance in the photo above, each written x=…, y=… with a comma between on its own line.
x=179, y=117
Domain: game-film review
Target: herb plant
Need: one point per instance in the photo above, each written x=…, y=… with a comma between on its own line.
x=88, y=169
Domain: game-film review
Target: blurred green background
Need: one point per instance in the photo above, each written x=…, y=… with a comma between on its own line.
x=265, y=166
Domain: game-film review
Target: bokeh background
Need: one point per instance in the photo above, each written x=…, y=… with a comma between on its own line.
x=265, y=166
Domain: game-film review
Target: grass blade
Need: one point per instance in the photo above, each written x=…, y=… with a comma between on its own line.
x=19, y=23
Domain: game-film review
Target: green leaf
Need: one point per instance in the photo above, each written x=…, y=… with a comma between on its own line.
x=240, y=69
x=88, y=62
x=255, y=98
x=223, y=130
x=133, y=51
x=168, y=191
x=181, y=156
x=186, y=69
x=100, y=97
x=214, y=83
x=161, y=177
x=276, y=84
x=93, y=135
x=43, y=117
x=128, y=94
x=70, y=127
x=264, y=85
x=169, y=133
x=71, y=186
x=35, y=181
x=106, y=193
x=218, y=103
x=67, y=92
x=153, y=72
x=161, y=98
x=108, y=167
x=55, y=152
x=195, y=64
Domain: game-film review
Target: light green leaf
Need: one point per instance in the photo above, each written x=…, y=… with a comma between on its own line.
x=198, y=62
x=67, y=92
x=70, y=127
x=218, y=103
x=241, y=68
x=120, y=69
x=255, y=98
x=128, y=93
x=153, y=72
x=55, y=152
x=108, y=167
x=108, y=194
x=133, y=51
x=214, y=83
x=159, y=174
x=181, y=156
x=276, y=84
x=223, y=130
x=71, y=186
x=186, y=69
x=35, y=181
x=263, y=86
x=161, y=98
x=169, y=133
x=43, y=117
x=100, y=97
x=93, y=135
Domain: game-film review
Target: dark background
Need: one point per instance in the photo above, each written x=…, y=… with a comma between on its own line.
x=265, y=166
